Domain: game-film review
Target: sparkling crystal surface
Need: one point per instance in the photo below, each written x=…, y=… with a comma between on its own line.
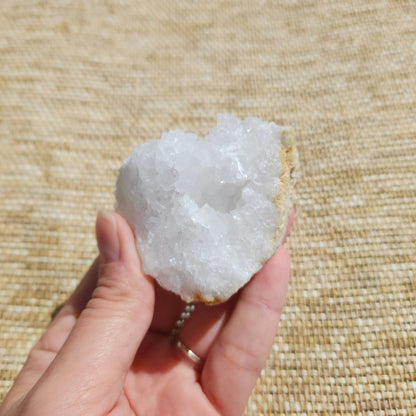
x=203, y=211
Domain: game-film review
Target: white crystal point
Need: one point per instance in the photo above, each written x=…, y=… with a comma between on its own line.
x=204, y=212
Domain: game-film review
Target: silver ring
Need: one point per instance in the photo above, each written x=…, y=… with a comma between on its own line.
x=186, y=313
x=195, y=358
x=174, y=336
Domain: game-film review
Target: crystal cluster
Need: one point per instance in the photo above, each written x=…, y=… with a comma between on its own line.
x=204, y=211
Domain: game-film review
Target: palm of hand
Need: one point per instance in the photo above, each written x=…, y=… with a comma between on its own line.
x=161, y=379
x=159, y=384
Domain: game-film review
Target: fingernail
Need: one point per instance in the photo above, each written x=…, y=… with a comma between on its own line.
x=107, y=236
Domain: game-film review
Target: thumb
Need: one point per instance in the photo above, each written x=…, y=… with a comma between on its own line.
x=104, y=341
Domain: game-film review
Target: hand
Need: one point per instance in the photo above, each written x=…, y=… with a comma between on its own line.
x=107, y=350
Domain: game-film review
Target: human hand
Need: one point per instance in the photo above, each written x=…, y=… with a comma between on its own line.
x=107, y=351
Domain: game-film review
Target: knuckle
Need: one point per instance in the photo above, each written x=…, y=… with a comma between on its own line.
x=121, y=289
x=263, y=304
x=240, y=357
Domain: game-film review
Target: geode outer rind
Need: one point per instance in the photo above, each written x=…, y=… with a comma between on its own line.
x=208, y=214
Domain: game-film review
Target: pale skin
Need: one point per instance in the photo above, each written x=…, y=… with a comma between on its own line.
x=107, y=351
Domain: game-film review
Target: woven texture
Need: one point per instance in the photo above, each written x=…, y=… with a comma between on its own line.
x=81, y=83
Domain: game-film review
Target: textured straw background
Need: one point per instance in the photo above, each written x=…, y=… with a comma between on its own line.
x=81, y=83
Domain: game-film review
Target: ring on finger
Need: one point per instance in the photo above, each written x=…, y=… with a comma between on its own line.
x=175, y=339
x=189, y=354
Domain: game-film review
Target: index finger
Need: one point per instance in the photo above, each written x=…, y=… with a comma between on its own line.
x=241, y=349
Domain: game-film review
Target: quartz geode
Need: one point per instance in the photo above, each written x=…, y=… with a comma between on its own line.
x=207, y=214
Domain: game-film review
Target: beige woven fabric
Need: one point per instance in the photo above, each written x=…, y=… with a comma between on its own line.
x=82, y=82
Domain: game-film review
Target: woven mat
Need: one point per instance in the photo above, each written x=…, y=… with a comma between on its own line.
x=81, y=83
